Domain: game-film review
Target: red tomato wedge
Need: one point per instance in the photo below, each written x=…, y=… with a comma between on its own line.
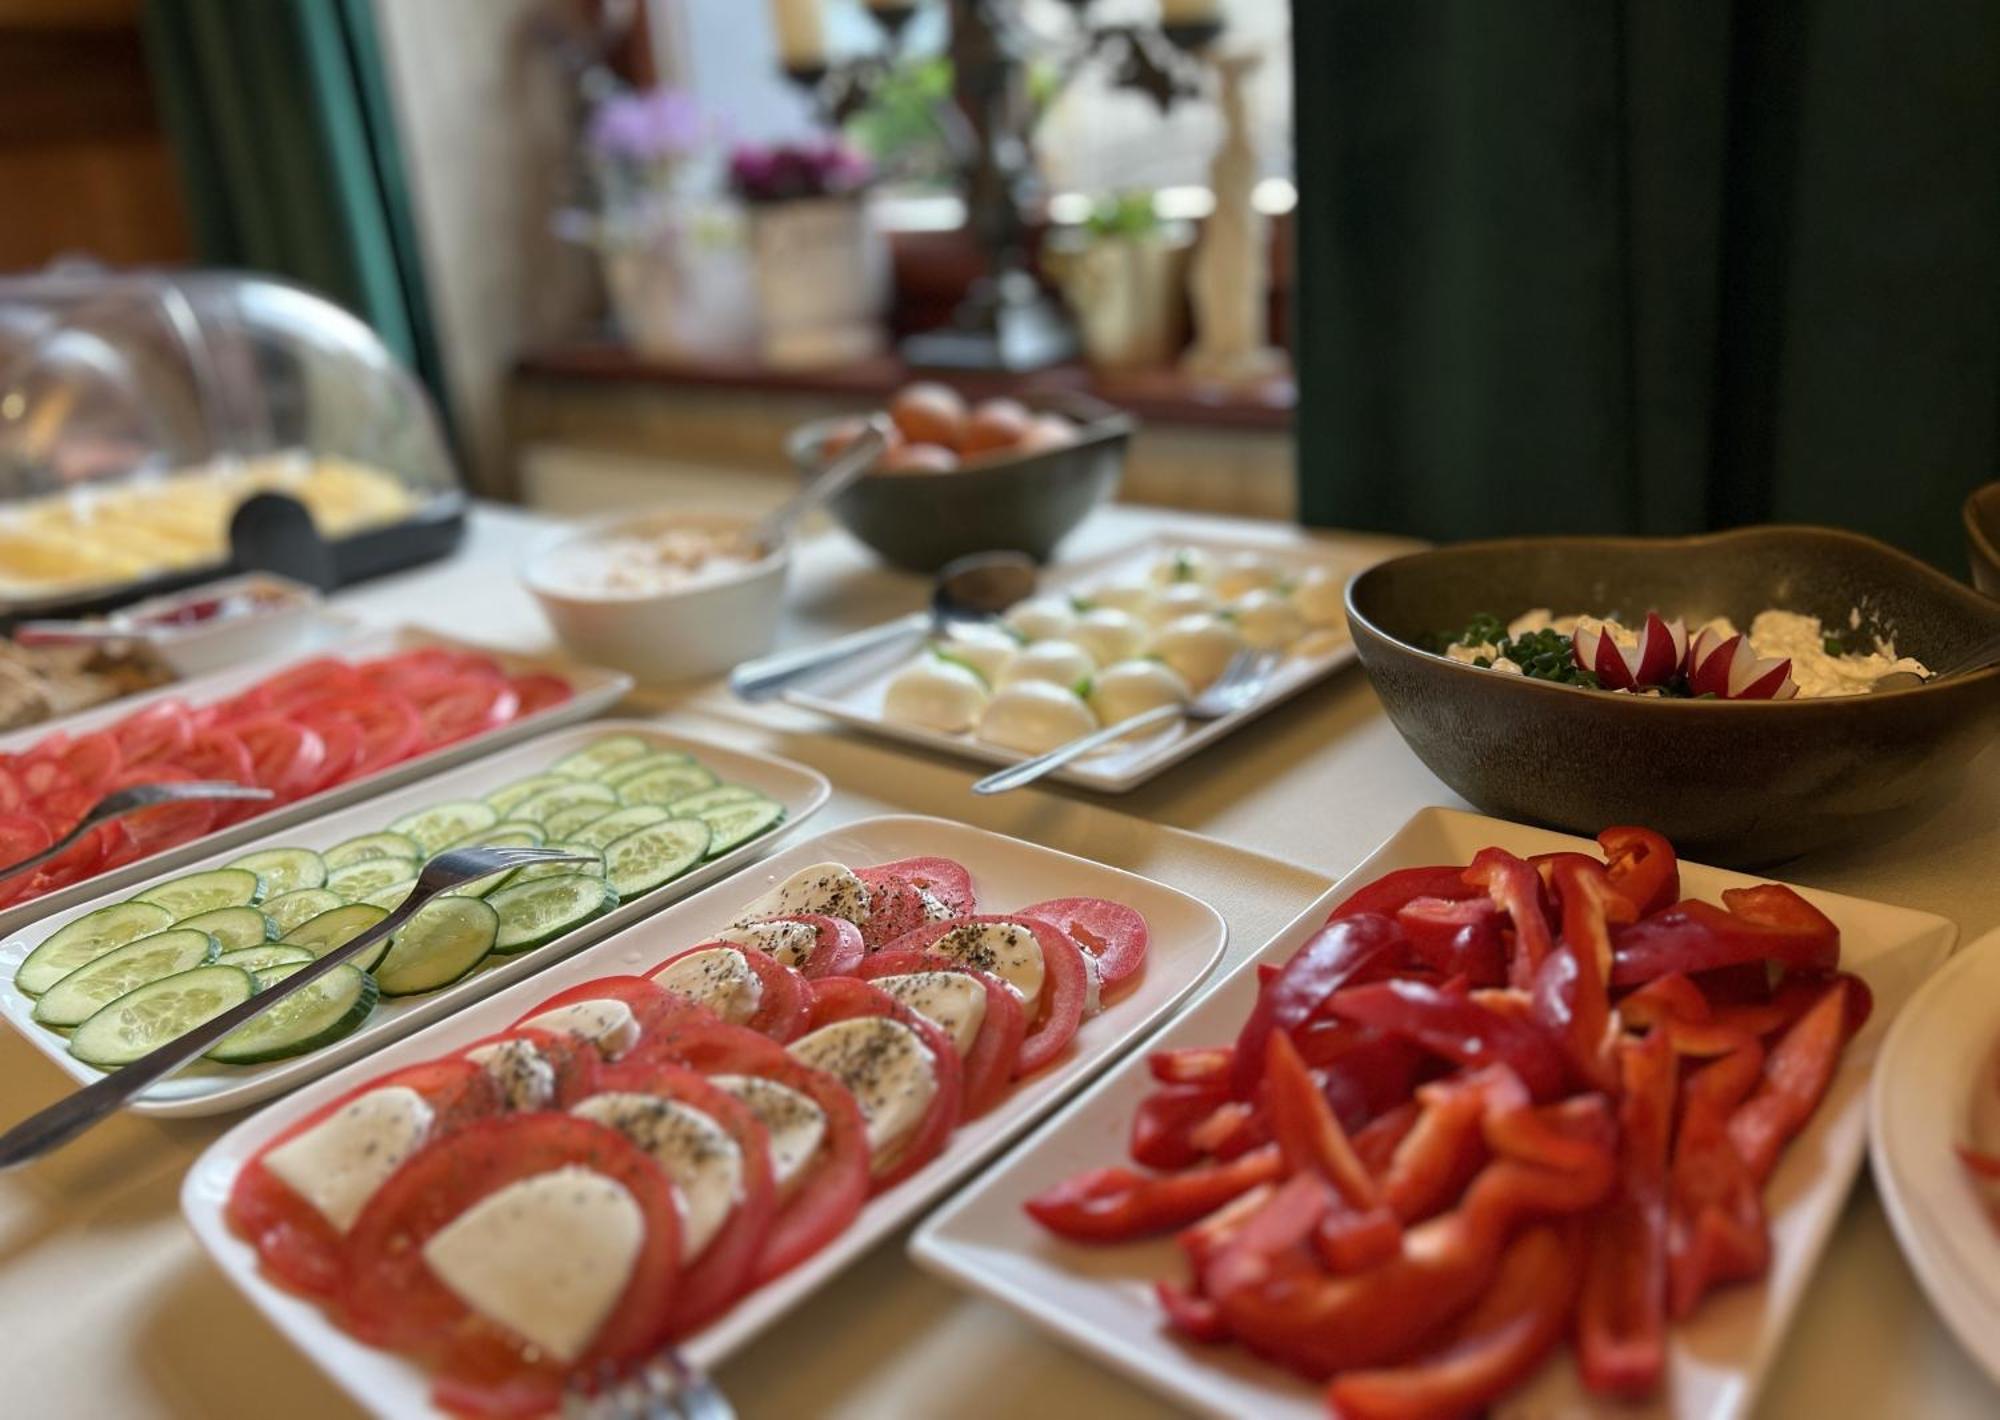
x=843, y=998
x=784, y=999
x=1110, y=932
x=651, y=1004
x=946, y=879
x=837, y=952
x=284, y=757
x=392, y=1297
x=160, y=731
x=989, y=1064
x=716, y=1276
x=1065, y=982
x=572, y=1069
x=296, y=1244
x=537, y=692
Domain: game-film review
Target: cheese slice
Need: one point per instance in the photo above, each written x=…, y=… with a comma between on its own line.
x=824, y=889
x=339, y=1163
x=1005, y=949
x=700, y=1158
x=792, y=1120
x=790, y=942
x=949, y=1000
x=607, y=1023
x=886, y=1067
x=718, y=978
x=526, y=1079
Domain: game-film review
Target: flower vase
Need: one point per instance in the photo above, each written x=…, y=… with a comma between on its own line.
x=822, y=281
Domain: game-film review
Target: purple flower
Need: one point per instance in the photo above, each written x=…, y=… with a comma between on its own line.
x=824, y=167
x=647, y=127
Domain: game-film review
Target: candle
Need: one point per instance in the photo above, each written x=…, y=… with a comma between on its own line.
x=801, y=34
x=1190, y=12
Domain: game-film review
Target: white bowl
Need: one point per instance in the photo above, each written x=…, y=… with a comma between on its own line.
x=659, y=636
x=281, y=616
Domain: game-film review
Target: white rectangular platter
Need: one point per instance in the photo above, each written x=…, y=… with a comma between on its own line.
x=210, y=1088
x=1187, y=940
x=1100, y=1300
x=853, y=692
x=592, y=691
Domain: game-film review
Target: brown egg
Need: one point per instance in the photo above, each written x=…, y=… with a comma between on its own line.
x=1048, y=431
x=929, y=413
x=996, y=425
x=920, y=458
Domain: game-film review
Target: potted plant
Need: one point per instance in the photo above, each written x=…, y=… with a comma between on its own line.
x=822, y=267
x=1122, y=272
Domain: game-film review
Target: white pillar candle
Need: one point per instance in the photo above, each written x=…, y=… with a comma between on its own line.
x=801, y=33
x=1190, y=12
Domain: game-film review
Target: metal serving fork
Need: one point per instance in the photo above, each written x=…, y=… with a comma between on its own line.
x=69, y=1117
x=121, y=802
x=1241, y=682
x=667, y=1387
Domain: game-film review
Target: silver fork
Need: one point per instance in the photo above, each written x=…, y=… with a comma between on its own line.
x=667, y=1387
x=1240, y=683
x=69, y=1117
x=121, y=802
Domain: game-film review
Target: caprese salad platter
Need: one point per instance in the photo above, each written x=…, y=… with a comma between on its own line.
x=365, y=715
x=682, y=1131
x=653, y=814
x=1107, y=639
x=1509, y=1121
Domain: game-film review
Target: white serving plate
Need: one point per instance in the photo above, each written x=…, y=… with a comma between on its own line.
x=1100, y=1299
x=853, y=692
x=1931, y=1089
x=1187, y=940
x=593, y=691
x=210, y=1088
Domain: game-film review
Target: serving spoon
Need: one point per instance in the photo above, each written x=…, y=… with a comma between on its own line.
x=776, y=526
x=1985, y=654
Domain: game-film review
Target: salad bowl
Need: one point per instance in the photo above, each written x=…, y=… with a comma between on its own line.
x=1737, y=781
x=1982, y=537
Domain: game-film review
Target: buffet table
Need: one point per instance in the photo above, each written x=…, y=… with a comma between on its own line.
x=110, y=1310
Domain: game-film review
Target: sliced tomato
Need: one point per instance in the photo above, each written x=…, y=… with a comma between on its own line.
x=252, y=704
x=22, y=836
x=538, y=692
x=44, y=776
x=12, y=798
x=829, y=1191
x=344, y=750
x=94, y=760
x=572, y=1062
x=837, y=952
x=989, y=1064
x=712, y=1279
x=946, y=879
x=391, y=730
x=158, y=732
x=1110, y=932
x=896, y=906
x=1065, y=983
x=652, y=1005
x=65, y=805
x=784, y=999
x=843, y=998
x=284, y=757
x=423, y=663
x=392, y=1298
x=310, y=683
x=296, y=1244
x=468, y=706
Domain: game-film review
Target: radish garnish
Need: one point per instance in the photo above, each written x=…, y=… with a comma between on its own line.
x=1727, y=668
x=1654, y=657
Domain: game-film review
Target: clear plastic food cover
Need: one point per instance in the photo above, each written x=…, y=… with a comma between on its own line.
x=139, y=410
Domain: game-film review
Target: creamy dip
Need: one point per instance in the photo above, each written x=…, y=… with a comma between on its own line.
x=641, y=564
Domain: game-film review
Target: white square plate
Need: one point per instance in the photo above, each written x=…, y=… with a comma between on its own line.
x=1100, y=1300
x=209, y=1088
x=1187, y=940
x=592, y=692
x=853, y=693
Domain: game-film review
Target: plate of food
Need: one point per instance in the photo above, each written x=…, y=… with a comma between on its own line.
x=1107, y=639
x=371, y=713
x=741, y=1094
x=654, y=815
x=1934, y=1122
x=1392, y=1163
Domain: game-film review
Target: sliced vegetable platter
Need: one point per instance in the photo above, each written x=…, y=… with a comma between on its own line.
x=429, y=702
x=1186, y=940
x=1102, y=1299
x=328, y=880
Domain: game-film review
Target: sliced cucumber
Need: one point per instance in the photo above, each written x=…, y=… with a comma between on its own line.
x=508, y=833
x=293, y=908
x=592, y=869
x=79, y=996
x=567, y=795
x=148, y=1017
x=563, y=822
x=537, y=912
x=701, y=800
x=234, y=927
x=632, y=768
x=434, y=827
x=507, y=796
x=309, y=1018
x=336, y=929
x=204, y=892
x=447, y=938
x=371, y=845
x=650, y=856
x=258, y=960
x=285, y=869
x=615, y=826
x=732, y=825
x=271, y=975
x=521, y=835
x=391, y=897
x=355, y=881
x=593, y=759
x=87, y=939
x=665, y=784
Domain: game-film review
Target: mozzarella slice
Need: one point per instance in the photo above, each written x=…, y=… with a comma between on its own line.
x=1134, y=687
x=886, y=1067
x=1009, y=951
x=793, y=1121
x=984, y=647
x=1039, y=618
x=824, y=889
x=546, y=1257
x=1199, y=648
x=1321, y=596
x=607, y=1023
x=1135, y=599
x=718, y=978
x=949, y=1000
x=701, y=1158
x=935, y=694
x=1058, y=662
x=1179, y=600
x=1109, y=635
x=1268, y=620
x=339, y=1163
x=1033, y=716
x=526, y=1079
x=1246, y=572
x=790, y=942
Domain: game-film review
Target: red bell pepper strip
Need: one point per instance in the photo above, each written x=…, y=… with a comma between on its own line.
x=1796, y=1076
x=1569, y=993
x=1516, y=889
x=1663, y=999
x=1114, y=1205
x=1376, y=1141
x=1440, y=1154
x=1234, y=1128
x=1350, y=1240
x=1978, y=1163
x=1715, y=1227
x=1768, y=923
x=1456, y=1028
x=1643, y=868
x=1490, y=1350
x=1388, y=893
x=1621, y=1324
x=1192, y=1315
x=1330, y=959
x=1203, y=1240
x=1362, y=1071
x=1165, y=1119
x=1195, y=1065
x=1457, y=938
x=1308, y=1135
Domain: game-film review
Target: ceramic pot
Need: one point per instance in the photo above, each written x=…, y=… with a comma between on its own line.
x=822, y=281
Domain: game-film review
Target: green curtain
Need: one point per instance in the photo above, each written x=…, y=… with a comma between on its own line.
x=281, y=119
x=1611, y=265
